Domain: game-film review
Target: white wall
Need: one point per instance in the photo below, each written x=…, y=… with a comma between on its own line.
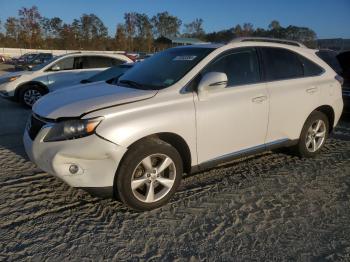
x=13, y=52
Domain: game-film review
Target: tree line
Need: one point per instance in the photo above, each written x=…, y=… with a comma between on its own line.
x=138, y=32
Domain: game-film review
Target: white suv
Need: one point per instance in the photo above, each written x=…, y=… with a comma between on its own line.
x=66, y=70
x=184, y=110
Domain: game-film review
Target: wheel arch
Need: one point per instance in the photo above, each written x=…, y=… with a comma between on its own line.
x=329, y=112
x=174, y=140
x=30, y=83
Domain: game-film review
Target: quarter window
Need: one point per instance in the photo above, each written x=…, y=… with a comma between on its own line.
x=281, y=64
x=310, y=68
x=240, y=66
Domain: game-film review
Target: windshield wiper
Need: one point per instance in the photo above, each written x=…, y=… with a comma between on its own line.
x=131, y=83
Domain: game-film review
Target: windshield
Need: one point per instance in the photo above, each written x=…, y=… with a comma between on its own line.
x=164, y=69
x=110, y=73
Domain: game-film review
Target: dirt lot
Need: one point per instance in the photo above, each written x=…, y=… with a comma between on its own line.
x=268, y=207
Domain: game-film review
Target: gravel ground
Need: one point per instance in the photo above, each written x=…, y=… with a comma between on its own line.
x=270, y=206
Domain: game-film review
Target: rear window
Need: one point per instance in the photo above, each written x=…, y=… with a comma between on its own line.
x=99, y=62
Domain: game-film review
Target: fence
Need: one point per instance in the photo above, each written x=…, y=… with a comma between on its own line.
x=14, y=52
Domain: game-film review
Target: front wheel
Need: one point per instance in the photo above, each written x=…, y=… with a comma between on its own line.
x=313, y=135
x=149, y=175
x=29, y=95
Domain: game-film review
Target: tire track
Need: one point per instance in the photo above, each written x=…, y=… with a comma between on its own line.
x=270, y=206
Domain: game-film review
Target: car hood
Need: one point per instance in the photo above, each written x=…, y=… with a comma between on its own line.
x=78, y=100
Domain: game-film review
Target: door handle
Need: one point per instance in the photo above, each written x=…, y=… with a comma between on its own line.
x=259, y=99
x=312, y=90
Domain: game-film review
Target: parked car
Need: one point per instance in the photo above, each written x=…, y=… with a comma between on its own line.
x=23, y=58
x=62, y=71
x=340, y=64
x=142, y=56
x=111, y=74
x=184, y=110
x=344, y=61
x=32, y=60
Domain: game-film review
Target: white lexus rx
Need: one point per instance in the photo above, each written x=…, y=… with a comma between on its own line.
x=184, y=110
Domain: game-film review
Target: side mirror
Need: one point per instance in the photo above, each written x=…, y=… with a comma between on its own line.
x=211, y=81
x=55, y=68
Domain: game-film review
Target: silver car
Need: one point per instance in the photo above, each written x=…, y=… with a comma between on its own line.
x=184, y=110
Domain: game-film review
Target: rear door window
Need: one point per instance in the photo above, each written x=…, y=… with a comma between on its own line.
x=98, y=62
x=280, y=64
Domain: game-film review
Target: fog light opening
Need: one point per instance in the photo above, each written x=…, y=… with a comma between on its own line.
x=73, y=169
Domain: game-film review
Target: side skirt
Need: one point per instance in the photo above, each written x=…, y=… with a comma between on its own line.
x=243, y=153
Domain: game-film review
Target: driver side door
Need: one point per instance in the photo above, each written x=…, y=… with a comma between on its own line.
x=232, y=119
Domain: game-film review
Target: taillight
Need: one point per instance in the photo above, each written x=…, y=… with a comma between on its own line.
x=339, y=79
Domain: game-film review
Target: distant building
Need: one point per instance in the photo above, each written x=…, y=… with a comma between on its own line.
x=166, y=42
x=337, y=44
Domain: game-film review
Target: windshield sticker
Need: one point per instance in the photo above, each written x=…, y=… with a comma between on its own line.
x=184, y=58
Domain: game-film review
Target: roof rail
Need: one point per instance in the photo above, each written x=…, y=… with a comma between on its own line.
x=74, y=52
x=268, y=40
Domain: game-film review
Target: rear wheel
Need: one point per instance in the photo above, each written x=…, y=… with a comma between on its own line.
x=313, y=135
x=30, y=94
x=149, y=175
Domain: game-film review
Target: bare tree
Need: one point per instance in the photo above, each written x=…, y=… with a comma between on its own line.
x=130, y=29
x=120, y=37
x=194, y=29
x=166, y=24
x=144, y=32
x=247, y=29
x=30, y=31
x=11, y=31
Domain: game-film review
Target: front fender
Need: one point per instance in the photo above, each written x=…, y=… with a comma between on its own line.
x=126, y=124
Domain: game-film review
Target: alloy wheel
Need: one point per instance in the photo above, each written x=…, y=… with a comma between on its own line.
x=30, y=96
x=153, y=178
x=315, y=136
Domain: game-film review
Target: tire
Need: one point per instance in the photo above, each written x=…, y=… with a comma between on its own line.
x=28, y=95
x=312, y=140
x=138, y=168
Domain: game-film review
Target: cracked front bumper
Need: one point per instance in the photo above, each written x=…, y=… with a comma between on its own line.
x=97, y=159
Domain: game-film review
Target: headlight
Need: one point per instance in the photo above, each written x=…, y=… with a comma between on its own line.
x=72, y=129
x=8, y=79
x=12, y=78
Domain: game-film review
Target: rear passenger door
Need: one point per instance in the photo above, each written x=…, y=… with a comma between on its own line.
x=294, y=92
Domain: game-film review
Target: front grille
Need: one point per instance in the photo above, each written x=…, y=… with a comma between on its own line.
x=34, y=126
